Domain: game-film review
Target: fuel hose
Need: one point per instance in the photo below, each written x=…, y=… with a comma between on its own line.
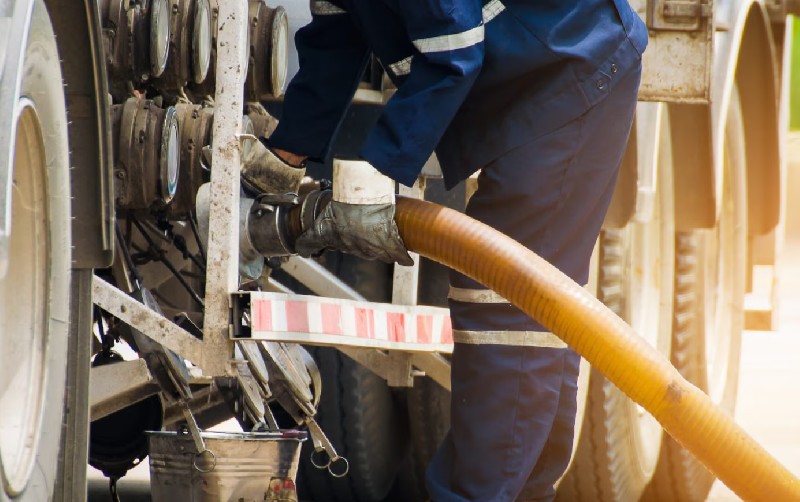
x=602, y=338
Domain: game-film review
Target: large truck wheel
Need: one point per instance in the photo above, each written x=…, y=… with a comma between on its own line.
x=35, y=291
x=707, y=335
x=619, y=443
x=429, y=421
x=366, y=425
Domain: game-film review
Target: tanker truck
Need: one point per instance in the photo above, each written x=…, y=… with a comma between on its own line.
x=144, y=289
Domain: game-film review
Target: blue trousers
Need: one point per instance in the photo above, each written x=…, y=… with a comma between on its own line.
x=514, y=402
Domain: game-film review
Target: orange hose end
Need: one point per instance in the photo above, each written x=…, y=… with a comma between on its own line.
x=606, y=341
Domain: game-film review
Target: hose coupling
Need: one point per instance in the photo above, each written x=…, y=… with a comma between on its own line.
x=274, y=222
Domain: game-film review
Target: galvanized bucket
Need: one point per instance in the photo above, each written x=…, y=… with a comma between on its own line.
x=245, y=467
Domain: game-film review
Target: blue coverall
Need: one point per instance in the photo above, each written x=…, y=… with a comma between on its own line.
x=537, y=94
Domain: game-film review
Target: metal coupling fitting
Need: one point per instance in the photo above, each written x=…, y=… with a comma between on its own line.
x=267, y=226
x=274, y=222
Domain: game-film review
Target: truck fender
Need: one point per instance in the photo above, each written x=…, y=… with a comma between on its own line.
x=79, y=37
x=758, y=79
x=743, y=42
x=744, y=56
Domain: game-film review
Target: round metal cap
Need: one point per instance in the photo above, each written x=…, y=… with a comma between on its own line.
x=169, y=158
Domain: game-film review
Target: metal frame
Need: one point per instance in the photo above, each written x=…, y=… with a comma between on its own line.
x=318, y=279
x=681, y=36
x=222, y=271
x=148, y=321
x=116, y=386
x=214, y=353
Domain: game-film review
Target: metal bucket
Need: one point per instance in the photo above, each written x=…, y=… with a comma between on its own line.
x=244, y=467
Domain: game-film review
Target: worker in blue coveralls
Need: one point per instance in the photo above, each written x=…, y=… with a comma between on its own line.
x=539, y=96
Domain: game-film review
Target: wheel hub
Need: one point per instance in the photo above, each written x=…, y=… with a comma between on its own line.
x=24, y=314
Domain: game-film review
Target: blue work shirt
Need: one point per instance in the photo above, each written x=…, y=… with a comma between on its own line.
x=474, y=79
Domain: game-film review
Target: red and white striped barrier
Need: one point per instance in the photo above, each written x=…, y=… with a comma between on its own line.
x=330, y=321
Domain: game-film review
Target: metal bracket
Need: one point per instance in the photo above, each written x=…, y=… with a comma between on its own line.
x=677, y=15
x=146, y=320
x=193, y=429
x=251, y=391
x=204, y=398
x=318, y=279
x=779, y=9
x=115, y=386
x=434, y=366
x=397, y=368
x=677, y=65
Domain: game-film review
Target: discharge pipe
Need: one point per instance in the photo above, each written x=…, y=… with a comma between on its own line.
x=602, y=338
x=571, y=313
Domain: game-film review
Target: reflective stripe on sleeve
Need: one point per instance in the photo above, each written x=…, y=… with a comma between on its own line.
x=402, y=67
x=436, y=44
x=323, y=8
x=492, y=9
x=475, y=295
x=451, y=42
x=517, y=338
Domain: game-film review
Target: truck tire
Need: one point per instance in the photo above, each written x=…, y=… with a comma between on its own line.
x=619, y=445
x=429, y=421
x=35, y=291
x=709, y=314
x=360, y=416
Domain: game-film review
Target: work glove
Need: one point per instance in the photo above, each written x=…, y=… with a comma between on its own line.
x=364, y=230
x=265, y=172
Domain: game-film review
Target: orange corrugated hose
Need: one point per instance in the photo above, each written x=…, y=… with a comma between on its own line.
x=603, y=339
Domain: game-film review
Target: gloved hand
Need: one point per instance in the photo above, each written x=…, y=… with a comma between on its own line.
x=364, y=230
x=267, y=173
